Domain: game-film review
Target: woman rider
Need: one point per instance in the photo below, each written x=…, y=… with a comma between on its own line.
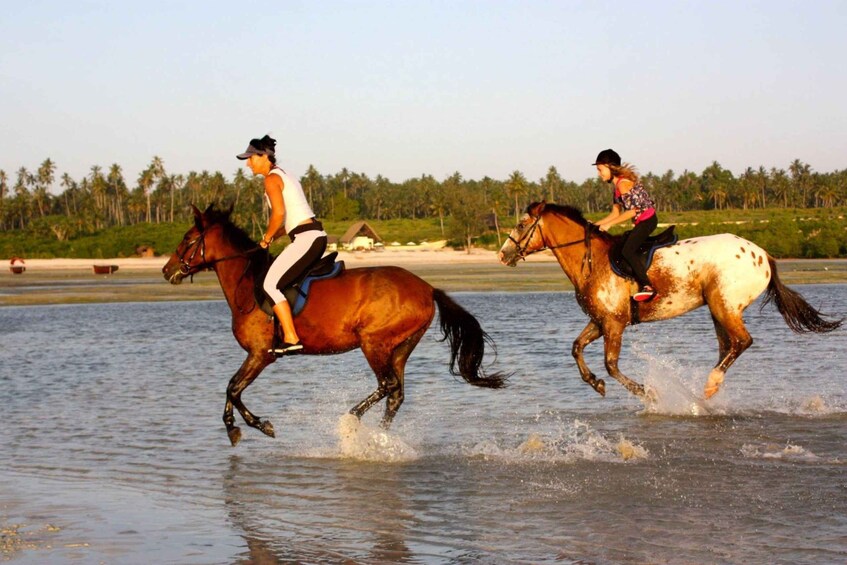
x=630, y=201
x=291, y=214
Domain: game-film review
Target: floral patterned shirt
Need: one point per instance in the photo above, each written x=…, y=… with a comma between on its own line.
x=636, y=199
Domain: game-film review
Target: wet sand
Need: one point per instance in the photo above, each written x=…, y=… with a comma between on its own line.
x=68, y=281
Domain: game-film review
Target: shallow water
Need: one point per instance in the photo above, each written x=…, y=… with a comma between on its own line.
x=113, y=448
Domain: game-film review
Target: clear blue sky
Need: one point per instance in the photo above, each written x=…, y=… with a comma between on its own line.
x=403, y=88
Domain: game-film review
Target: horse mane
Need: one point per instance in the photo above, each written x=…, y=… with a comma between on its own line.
x=573, y=214
x=236, y=235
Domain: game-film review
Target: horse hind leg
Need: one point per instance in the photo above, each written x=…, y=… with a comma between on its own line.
x=733, y=340
x=395, y=383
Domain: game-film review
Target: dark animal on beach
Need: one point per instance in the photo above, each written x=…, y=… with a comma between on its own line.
x=723, y=271
x=384, y=311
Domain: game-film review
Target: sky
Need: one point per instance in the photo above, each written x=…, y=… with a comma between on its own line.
x=403, y=88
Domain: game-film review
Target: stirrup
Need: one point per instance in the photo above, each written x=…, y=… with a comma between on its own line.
x=285, y=348
x=644, y=295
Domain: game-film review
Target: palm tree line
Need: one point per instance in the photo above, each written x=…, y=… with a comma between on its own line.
x=104, y=198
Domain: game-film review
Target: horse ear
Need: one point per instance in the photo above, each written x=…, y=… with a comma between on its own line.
x=198, y=217
x=536, y=208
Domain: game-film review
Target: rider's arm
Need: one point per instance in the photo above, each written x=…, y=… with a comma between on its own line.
x=609, y=220
x=273, y=188
x=620, y=218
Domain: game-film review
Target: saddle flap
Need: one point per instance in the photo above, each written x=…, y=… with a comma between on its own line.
x=660, y=240
x=646, y=250
x=324, y=266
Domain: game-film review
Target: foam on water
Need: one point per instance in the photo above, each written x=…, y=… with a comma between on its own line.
x=572, y=442
x=788, y=452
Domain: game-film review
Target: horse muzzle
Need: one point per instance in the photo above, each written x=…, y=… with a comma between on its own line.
x=173, y=273
x=508, y=257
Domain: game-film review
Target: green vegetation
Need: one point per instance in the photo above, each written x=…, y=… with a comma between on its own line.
x=783, y=233
x=793, y=213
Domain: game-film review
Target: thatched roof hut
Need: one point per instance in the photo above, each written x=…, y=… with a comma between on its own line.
x=359, y=229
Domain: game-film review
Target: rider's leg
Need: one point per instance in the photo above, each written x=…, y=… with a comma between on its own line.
x=636, y=237
x=286, y=321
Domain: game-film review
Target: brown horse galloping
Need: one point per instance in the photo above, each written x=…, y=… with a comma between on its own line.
x=723, y=271
x=382, y=310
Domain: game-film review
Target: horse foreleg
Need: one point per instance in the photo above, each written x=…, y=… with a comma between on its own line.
x=374, y=397
x=245, y=375
x=589, y=334
x=733, y=340
x=612, y=349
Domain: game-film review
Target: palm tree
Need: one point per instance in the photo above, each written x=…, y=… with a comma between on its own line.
x=801, y=178
x=516, y=186
x=552, y=184
x=118, y=192
x=43, y=180
x=145, y=183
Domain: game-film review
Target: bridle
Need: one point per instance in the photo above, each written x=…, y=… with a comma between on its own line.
x=523, y=251
x=198, y=245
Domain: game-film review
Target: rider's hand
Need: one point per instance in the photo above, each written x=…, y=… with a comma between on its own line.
x=602, y=227
x=263, y=244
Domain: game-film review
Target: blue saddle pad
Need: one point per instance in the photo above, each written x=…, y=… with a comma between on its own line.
x=298, y=294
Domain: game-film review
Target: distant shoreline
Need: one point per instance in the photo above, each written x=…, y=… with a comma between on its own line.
x=72, y=281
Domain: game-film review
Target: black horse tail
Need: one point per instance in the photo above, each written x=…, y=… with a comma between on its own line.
x=800, y=316
x=467, y=342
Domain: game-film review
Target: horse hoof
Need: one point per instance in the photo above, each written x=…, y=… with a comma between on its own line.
x=600, y=387
x=266, y=428
x=234, y=436
x=710, y=391
x=650, y=396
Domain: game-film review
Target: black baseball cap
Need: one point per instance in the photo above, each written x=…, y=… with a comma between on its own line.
x=258, y=147
x=608, y=157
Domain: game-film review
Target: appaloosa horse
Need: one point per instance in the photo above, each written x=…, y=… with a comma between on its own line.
x=723, y=271
x=382, y=310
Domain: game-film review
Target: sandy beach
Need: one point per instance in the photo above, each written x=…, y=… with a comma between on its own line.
x=63, y=281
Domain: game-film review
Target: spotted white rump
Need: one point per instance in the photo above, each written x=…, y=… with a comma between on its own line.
x=722, y=267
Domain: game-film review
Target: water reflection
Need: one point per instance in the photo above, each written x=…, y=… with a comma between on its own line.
x=349, y=510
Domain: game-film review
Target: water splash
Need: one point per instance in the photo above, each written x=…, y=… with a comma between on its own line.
x=357, y=440
x=675, y=391
x=572, y=442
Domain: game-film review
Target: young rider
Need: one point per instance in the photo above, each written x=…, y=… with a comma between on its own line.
x=291, y=214
x=630, y=201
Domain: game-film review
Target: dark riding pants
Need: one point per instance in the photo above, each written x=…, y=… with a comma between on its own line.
x=636, y=237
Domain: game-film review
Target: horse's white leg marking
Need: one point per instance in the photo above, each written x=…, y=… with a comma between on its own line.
x=713, y=384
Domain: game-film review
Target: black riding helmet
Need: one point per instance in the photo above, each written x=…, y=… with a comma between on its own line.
x=608, y=157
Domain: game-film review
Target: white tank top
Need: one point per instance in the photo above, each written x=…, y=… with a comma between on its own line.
x=297, y=208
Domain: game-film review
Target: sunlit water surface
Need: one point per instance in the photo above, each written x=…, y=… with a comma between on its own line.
x=113, y=449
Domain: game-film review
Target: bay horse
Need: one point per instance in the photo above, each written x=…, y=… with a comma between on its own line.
x=724, y=272
x=384, y=311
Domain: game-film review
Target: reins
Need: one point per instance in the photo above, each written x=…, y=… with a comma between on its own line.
x=199, y=244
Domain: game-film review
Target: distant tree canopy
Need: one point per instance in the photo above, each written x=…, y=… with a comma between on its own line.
x=103, y=198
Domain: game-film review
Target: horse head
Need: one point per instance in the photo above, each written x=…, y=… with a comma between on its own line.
x=526, y=238
x=198, y=249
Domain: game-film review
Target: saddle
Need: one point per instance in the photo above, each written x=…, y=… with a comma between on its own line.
x=650, y=245
x=298, y=291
